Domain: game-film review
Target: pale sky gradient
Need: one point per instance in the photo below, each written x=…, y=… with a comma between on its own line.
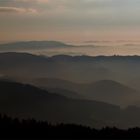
x=69, y=20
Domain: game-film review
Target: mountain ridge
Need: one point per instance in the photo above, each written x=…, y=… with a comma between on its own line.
x=22, y=100
x=28, y=45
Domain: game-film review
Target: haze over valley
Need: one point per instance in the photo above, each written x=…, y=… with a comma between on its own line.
x=68, y=63
x=90, y=48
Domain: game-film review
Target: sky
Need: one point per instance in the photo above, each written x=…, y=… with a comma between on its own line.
x=70, y=20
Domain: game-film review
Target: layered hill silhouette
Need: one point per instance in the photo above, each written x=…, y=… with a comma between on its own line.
x=86, y=75
x=26, y=101
x=104, y=90
x=111, y=92
x=76, y=69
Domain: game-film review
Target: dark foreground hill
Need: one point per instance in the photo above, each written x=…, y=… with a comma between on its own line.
x=25, y=101
x=13, y=128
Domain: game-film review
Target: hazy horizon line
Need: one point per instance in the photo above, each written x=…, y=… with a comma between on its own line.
x=29, y=53
x=72, y=42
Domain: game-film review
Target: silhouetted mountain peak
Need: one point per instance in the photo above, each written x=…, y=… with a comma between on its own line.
x=32, y=45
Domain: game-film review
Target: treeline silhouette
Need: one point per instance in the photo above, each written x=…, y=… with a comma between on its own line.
x=30, y=128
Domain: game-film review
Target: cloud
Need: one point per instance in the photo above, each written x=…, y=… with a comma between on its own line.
x=42, y=1
x=17, y=10
x=31, y=1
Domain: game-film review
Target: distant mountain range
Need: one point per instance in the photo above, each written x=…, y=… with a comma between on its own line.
x=77, y=69
x=29, y=45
